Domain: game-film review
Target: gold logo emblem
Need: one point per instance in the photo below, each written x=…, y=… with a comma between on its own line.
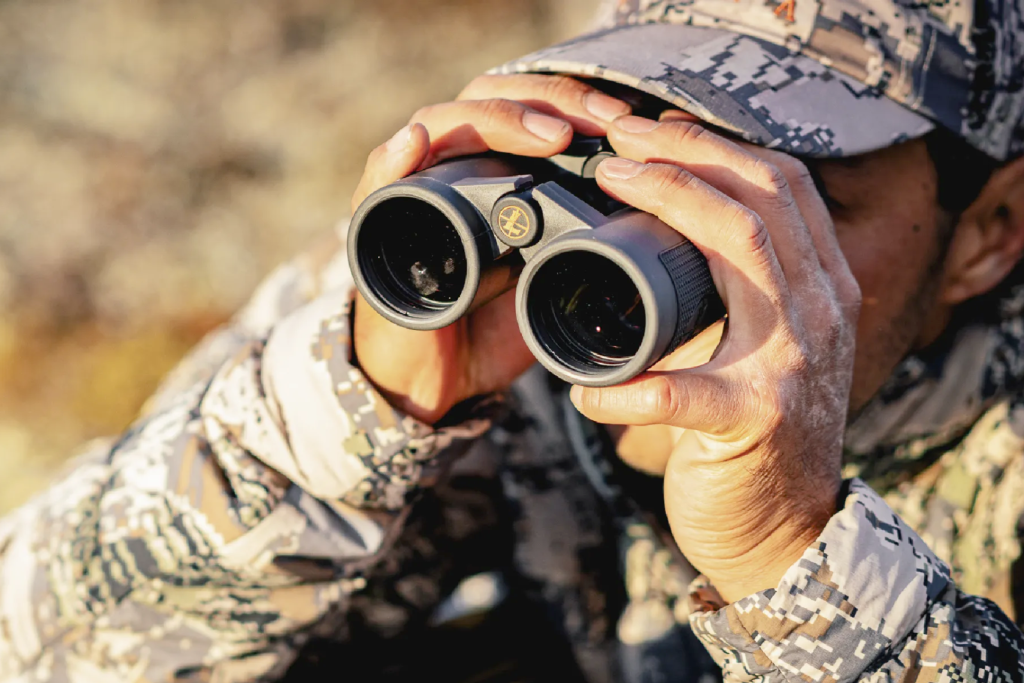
x=514, y=222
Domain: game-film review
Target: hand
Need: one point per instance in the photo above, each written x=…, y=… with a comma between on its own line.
x=754, y=472
x=426, y=373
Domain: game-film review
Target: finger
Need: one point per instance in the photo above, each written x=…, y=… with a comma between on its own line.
x=586, y=108
x=745, y=177
x=732, y=237
x=689, y=399
x=678, y=115
x=645, y=448
x=392, y=161
x=695, y=352
x=476, y=126
x=818, y=220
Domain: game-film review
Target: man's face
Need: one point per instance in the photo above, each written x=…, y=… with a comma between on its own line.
x=890, y=228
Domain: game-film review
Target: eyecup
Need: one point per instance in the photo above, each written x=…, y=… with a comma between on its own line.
x=670, y=276
x=474, y=236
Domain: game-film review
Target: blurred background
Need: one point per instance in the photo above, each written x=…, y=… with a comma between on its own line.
x=159, y=157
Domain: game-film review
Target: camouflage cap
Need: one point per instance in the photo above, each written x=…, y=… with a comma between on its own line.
x=817, y=77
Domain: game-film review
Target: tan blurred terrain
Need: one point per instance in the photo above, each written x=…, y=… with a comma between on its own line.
x=158, y=157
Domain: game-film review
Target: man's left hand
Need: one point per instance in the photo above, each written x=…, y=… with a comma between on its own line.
x=755, y=470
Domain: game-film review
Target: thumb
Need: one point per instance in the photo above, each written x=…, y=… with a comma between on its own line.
x=689, y=399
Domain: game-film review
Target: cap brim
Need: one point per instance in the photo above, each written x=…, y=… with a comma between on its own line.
x=763, y=92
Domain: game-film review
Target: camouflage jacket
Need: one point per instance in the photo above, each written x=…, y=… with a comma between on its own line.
x=270, y=512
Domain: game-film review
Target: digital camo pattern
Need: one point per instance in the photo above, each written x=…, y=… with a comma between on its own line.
x=943, y=442
x=271, y=518
x=818, y=625
x=758, y=90
x=192, y=548
x=817, y=77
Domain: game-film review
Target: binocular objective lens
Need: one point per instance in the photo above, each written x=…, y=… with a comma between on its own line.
x=586, y=311
x=414, y=253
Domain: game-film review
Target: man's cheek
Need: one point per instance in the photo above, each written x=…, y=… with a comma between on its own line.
x=884, y=256
x=875, y=267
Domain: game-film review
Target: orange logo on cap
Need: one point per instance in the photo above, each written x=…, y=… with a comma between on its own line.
x=514, y=222
x=789, y=7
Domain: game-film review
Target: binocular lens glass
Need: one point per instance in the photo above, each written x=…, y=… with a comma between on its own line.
x=586, y=311
x=415, y=253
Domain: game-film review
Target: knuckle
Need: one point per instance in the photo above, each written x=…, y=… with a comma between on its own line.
x=662, y=399
x=687, y=132
x=765, y=175
x=499, y=112
x=780, y=176
x=772, y=182
x=747, y=229
x=557, y=89
x=794, y=170
x=793, y=360
x=769, y=177
x=669, y=179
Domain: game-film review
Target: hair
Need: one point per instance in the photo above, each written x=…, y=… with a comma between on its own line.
x=961, y=170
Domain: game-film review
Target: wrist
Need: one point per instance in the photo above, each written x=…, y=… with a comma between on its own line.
x=765, y=565
x=785, y=537
x=390, y=358
x=421, y=401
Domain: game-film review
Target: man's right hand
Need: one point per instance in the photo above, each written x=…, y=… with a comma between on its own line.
x=424, y=374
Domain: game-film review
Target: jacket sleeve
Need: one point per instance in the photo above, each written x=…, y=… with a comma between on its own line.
x=868, y=602
x=238, y=511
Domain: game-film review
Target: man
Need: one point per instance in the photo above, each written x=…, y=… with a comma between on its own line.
x=299, y=493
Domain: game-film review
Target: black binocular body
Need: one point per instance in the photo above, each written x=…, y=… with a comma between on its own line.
x=604, y=291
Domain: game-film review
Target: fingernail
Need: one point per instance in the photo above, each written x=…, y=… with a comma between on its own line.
x=636, y=124
x=620, y=168
x=545, y=127
x=670, y=115
x=400, y=140
x=605, y=107
x=576, y=395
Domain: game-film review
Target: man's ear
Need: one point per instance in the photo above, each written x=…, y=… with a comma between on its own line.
x=989, y=238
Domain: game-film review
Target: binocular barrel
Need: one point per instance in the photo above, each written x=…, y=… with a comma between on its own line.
x=604, y=291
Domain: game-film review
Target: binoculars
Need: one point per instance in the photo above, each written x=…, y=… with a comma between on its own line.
x=603, y=291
